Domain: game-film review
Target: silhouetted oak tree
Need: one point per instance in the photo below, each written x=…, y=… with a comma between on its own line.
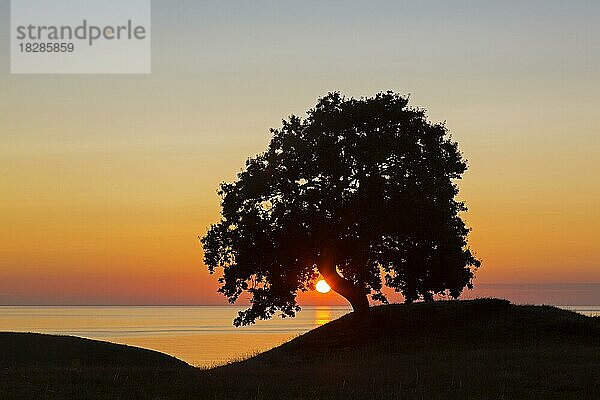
x=360, y=191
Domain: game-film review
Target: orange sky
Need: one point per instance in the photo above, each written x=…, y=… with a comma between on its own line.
x=107, y=180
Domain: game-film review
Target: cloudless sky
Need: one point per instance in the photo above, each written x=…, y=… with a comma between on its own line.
x=106, y=180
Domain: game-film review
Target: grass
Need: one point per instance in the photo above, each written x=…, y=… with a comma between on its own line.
x=481, y=349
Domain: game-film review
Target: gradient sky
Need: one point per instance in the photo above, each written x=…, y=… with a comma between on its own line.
x=106, y=180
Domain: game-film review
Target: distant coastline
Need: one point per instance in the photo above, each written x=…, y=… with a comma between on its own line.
x=553, y=293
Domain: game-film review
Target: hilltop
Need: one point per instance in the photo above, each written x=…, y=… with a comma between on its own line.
x=481, y=349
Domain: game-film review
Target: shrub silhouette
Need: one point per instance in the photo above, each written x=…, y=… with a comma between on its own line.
x=361, y=191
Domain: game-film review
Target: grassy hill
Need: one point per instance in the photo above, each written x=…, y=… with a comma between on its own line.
x=482, y=349
x=33, y=350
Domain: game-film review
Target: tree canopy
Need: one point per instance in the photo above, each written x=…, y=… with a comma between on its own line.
x=363, y=192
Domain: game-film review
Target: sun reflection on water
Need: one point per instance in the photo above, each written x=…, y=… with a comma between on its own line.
x=322, y=315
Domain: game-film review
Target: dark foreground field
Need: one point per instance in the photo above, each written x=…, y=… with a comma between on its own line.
x=482, y=349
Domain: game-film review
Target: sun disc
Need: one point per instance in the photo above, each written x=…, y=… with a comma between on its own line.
x=323, y=287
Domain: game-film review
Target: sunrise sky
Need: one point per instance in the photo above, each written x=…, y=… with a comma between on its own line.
x=107, y=180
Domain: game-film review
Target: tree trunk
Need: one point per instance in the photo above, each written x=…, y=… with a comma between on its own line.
x=353, y=293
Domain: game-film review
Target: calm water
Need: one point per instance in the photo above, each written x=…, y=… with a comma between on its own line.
x=202, y=336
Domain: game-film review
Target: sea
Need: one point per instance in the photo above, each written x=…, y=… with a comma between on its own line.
x=202, y=336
